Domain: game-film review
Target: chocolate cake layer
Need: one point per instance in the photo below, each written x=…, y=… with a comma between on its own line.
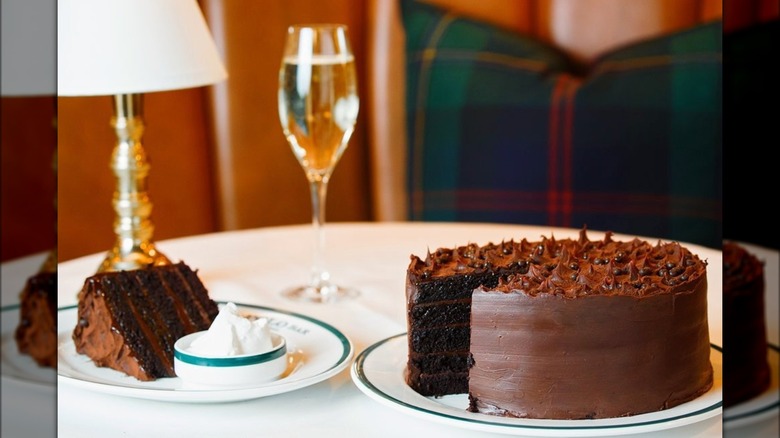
x=745, y=364
x=130, y=320
x=438, y=296
x=36, y=334
x=592, y=330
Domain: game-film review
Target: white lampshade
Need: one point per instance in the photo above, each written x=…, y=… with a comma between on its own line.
x=110, y=47
x=28, y=47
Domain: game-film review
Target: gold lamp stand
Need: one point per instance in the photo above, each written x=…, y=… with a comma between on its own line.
x=134, y=248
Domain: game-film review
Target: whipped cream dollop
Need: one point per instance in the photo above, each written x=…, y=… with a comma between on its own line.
x=232, y=334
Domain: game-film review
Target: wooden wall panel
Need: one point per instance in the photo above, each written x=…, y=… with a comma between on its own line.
x=179, y=182
x=516, y=15
x=587, y=29
x=258, y=179
x=28, y=179
x=85, y=183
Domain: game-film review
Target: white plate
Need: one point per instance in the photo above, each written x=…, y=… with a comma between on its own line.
x=379, y=372
x=762, y=406
x=17, y=366
x=316, y=351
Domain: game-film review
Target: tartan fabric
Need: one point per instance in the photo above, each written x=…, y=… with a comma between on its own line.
x=503, y=129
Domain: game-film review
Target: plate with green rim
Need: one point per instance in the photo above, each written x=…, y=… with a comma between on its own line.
x=378, y=371
x=316, y=352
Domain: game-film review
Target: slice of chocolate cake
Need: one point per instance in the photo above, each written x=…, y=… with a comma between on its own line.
x=36, y=334
x=745, y=363
x=130, y=320
x=596, y=329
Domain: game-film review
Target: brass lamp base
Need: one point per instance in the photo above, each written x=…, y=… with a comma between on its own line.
x=133, y=248
x=138, y=258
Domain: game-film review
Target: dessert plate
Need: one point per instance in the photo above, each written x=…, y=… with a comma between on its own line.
x=17, y=366
x=762, y=406
x=316, y=350
x=379, y=372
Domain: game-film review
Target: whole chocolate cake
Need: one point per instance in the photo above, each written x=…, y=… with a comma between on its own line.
x=745, y=363
x=562, y=329
x=36, y=334
x=129, y=320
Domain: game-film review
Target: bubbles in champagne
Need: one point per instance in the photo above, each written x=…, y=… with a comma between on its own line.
x=318, y=108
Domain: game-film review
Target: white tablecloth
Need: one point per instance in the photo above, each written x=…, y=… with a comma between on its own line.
x=252, y=267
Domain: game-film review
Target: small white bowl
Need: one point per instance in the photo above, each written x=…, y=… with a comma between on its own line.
x=243, y=370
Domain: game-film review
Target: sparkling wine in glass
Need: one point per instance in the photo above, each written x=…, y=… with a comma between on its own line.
x=318, y=108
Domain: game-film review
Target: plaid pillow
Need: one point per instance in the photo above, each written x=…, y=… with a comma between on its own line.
x=501, y=129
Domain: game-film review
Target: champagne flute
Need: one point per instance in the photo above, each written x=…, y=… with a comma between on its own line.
x=318, y=108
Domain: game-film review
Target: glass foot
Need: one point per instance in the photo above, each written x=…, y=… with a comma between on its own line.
x=322, y=294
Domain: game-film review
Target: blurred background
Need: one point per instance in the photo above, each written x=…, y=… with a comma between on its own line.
x=29, y=181
x=218, y=158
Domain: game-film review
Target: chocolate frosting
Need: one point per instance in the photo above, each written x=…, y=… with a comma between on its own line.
x=571, y=267
x=592, y=330
x=598, y=356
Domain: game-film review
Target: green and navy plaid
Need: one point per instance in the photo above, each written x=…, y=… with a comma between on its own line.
x=502, y=128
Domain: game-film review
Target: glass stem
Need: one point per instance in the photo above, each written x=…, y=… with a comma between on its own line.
x=320, y=278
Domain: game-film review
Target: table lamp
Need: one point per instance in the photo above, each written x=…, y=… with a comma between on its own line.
x=29, y=64
x=125, y=48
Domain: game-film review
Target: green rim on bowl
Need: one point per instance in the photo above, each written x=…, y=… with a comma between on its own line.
x=233, y=361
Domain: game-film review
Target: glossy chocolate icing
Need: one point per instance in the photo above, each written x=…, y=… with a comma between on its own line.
x=592, y=330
